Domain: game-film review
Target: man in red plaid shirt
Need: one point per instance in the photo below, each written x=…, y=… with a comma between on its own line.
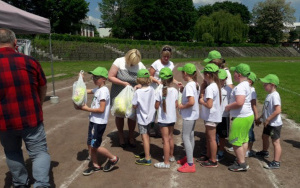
x=22, y=92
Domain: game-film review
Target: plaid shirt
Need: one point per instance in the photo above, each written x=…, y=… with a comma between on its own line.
x=20, y=78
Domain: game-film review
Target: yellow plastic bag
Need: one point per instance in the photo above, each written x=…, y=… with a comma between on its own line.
x=122, y=106
x=79, y=95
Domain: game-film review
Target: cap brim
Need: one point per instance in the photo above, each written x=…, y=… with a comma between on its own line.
x=90, y=72
x=180, y=68
x=232, y=68
x=207, y=60
x=264, y=80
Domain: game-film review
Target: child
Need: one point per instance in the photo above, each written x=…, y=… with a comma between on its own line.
x=99, y=112
x=166, y=103
x=189, y=110
x=271, y=120
x=211, y=113
x=143, y=101
x=223, y=127
x=251, y=80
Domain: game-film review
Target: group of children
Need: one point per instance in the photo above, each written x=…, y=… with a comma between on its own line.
x=213, y=96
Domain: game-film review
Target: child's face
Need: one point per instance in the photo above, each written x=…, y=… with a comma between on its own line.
x=98, y=80
x=222, y=82
x=207, y=77
x=268, y=87
x=236, y=76
x=184, y=76
x=250, y=82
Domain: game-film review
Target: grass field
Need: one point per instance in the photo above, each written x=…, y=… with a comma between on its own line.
x=286, y=68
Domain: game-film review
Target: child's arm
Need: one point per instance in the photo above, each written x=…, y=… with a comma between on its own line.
x=176, y=103
x=89, y=91
x=276, y=112
x=157, y=103
x=253, y=105
x=101, y=109
x=190, y=103
x=208, y=104
x=238, y=103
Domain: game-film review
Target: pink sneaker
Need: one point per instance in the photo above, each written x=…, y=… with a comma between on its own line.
x=182, y=161
x=186, y=168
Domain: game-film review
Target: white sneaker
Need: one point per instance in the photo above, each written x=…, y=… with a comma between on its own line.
x=171, y=159
x=162, y=165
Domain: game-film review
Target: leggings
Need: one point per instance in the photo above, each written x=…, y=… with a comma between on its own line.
x=188, y=138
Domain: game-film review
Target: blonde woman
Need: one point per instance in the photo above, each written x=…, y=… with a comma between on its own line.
x=123, y=72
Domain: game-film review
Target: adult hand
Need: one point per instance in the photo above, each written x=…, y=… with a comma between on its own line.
x=126, y=84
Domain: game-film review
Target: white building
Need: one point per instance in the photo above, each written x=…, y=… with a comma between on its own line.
x=104, y=32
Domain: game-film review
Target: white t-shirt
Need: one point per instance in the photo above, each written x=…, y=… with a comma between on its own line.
x=157, y=66
x=191, y=113
x=229, y=78
x=271, y=101
x=253, y=93
x=215, y=113
x=170, y=115
x=242, y=88
x=226, y=91
x=121, y=64
x=144, y=98
x=100, y=94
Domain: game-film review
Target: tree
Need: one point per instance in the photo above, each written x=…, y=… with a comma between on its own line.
x=222, y=26
x=65, y=15
x=293, y=35
x=228, y=6
x=268, y=21
x=149, y=20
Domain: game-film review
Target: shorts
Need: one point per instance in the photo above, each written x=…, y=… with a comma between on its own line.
x=144, y=129
x=95, y=134
x=251, y=134
x=239, y=131
x=210, y=123
x=273, y=132
x=223, y=127
x=165, y=124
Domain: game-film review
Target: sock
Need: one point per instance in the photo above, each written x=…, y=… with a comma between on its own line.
x=190, y=164
x=113, y=159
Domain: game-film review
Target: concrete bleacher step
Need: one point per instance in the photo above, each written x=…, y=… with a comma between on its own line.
x=293, y=51
x=237, y=51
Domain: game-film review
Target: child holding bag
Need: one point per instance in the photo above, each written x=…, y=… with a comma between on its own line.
x=143, y=101
x=166, y=103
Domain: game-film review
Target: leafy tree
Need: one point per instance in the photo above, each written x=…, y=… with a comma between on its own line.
x=228, y=6
x=294, y=35
x=222, y=26
x=65, y=15
x=268, y=21
x=150, y=20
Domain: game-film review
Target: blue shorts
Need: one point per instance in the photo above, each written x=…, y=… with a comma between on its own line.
x=95, y=134
x=165, y=124
x=251, y=134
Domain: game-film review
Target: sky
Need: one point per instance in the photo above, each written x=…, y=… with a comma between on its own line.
x=94, y=14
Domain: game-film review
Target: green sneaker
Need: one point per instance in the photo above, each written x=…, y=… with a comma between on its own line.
x=143, y=161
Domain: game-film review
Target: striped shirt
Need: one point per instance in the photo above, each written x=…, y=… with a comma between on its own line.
x=20, y=79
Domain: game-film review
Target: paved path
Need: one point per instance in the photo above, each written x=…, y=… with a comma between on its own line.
x=66, y=130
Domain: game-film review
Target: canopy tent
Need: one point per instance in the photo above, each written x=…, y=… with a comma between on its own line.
x=22, y=22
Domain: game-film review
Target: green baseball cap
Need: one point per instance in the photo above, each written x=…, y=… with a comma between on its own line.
x=143, y=73
x=212, y=55
x=252, y=76
x=189, y=68
x=242, y=68
x=222, y=74
x=211, y=67
x=99, y=71
x=165, y=73
x=270, y=79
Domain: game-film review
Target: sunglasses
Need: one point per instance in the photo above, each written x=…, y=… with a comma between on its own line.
x=167, y=49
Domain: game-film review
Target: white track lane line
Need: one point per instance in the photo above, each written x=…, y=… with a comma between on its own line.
x=68, y=181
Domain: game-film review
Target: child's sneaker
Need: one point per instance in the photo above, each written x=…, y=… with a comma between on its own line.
x=236, y=167
x=209, y=163
x=264, y=154
x=140, y=155
x=186, y=168
x=182, y=161
x=272, y=165
x=171, y=159
x=202, y=158
x=110, y=165
x=250, y=154
x=91, y=170
x=162, y=165
x=143, y=161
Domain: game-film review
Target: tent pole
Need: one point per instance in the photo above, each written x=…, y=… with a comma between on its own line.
x=52, y=72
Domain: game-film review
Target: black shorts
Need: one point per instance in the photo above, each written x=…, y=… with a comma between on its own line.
x=223, y=127
x=273, y=132
x=95, y=134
